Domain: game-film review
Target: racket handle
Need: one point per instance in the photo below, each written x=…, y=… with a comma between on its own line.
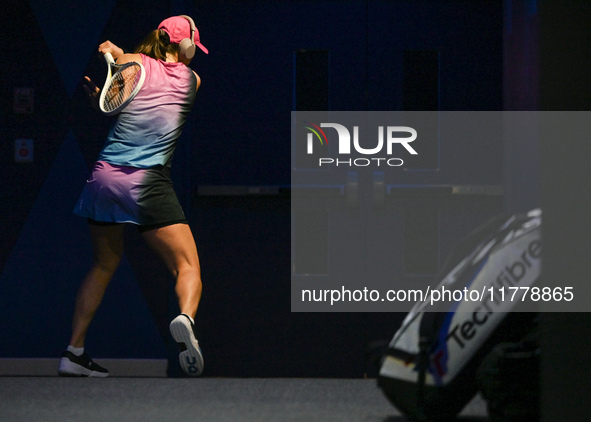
x=109, y=58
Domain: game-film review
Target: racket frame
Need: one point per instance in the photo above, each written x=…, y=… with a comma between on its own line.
x=113, y=68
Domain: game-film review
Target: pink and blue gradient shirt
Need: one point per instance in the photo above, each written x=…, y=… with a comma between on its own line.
x=146, y=131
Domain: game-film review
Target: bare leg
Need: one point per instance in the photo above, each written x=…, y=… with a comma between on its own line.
x=107, y=242
x=176, y=246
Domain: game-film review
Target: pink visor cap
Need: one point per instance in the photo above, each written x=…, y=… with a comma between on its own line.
x=179, y=28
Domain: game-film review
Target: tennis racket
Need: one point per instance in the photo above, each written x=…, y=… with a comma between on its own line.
x=122, y=85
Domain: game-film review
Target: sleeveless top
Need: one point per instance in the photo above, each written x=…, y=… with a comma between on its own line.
x=146, y=131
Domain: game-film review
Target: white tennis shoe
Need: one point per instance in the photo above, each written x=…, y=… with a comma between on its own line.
x=80, y=366
x=190, y=357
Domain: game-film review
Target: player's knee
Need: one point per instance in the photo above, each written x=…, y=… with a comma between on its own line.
x=187, y=270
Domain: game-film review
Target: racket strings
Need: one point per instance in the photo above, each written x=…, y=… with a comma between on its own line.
x=122, y=85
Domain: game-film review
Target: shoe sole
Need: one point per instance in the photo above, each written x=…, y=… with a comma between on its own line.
x=68, y=368
x=190, y=357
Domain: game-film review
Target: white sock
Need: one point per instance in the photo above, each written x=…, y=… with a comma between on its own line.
x=76, y=350
x=190, y=319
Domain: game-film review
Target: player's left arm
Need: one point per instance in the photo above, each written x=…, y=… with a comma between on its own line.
x=93, y=92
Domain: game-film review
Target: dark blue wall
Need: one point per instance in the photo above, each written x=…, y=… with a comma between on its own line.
x=238, y=134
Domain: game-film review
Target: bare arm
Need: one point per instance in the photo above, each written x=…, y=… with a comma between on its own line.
x=93, y=92
x=198, y=81
x=118, y=54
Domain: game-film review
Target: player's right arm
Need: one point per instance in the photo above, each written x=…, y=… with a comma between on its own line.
x=118, y=54
x=198, y=80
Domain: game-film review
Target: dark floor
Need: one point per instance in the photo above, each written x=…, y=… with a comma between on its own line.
x=205, y=399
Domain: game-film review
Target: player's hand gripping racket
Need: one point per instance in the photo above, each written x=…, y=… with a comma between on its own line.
x=122, y=85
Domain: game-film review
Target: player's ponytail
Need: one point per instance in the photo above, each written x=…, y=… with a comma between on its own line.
x=157, y=45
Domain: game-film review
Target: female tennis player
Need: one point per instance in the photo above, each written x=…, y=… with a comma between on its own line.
x=130, y=183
